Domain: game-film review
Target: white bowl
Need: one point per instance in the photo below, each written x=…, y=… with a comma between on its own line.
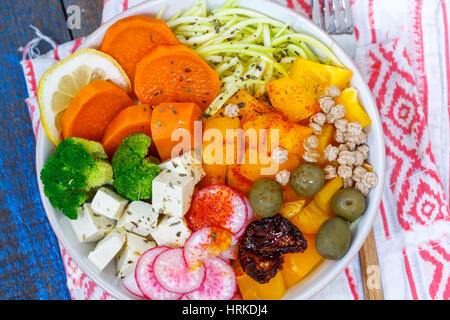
x=328, y=270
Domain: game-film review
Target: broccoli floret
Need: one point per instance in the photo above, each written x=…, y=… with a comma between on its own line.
x=77, y=167
x=133, y=172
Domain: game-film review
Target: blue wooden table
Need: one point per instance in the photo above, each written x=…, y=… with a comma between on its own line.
x=30, y=261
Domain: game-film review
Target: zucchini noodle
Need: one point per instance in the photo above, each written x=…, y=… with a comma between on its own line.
x=245, y=47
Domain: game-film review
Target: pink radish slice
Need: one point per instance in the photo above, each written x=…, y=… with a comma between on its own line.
x=220, y=283
x=218, y=206
x=146, y=280
x=250, y=217
x=129, y=282
x=173, y=274
x=206, y=243
x=231, y=253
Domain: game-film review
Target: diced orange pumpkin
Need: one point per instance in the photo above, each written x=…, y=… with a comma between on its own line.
x=265, y=166
x=294, y=101
x=324, y=196
x=354, y=112
x=216, y=168
x=250, y=107
x=291, y=135
x=236, y=180
x=310, y=218
x=275, y=289
x=290, y=209
x=222, y=124
x=325, y=139
x=297, y=265
x=316, y=77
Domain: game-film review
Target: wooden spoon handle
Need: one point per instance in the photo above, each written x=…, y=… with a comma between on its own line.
x=370, y=269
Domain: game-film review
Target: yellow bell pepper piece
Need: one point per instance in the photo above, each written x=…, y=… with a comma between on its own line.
x=292, y=99
x=353, y=110
x=316, y=77
x=297, y=265
x=310, y=218
x=324, y=196
x=275, y=289
x=290, y=209
x=324, y=140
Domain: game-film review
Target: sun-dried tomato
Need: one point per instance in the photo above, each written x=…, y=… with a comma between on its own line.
x=263, y=244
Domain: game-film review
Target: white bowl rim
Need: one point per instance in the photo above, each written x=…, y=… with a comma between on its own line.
x=357, y=241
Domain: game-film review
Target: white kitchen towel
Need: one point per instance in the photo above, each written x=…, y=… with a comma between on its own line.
x=404, y=54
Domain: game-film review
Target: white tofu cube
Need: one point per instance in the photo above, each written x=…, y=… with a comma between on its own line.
x=90, y=226
x=172, y=194
x=109, y=203
x=127, y=258
x=139, y=217
x=187, y=164
x=107, y=248
x=171, y=231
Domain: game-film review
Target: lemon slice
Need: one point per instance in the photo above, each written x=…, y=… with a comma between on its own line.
x=62, y=81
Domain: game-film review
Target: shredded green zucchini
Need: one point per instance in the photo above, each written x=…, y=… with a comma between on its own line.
x=246, y=48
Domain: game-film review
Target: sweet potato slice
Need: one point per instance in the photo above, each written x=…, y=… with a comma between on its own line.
x=171, y=124
x=175, y=73
x=134, y=119
x=92, y=109
x=130, y=39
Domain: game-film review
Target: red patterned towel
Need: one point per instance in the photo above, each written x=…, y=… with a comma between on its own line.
x=404, y=55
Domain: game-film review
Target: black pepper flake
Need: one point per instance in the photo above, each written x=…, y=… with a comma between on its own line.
x=174, y=111
x=203, y=101
x=171, y=62
x=151, y=38
x=241, y=104
x=178, y=233
x=156, y=93
x=162, y=110
x=171, y=185
x=188, y=89
x=187, y=70
x=240, y=117
x=174, y=224
x=206, y=116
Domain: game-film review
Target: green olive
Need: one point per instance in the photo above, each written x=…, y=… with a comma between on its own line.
x=307, y=179
x=349, y=204
x=266, y=197
x=333, y=238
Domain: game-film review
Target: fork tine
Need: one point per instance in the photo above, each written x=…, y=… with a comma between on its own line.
x=339, y=23
x=317, y=13
x=330, y=16
x=348, y=18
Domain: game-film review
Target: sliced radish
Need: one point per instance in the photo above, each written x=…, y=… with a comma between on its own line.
x=129, y=282
x=145, y=277
x=173, y=274
x=250, y=217
x=218, y=206
x=231, y=253
x=206, y=243
x=220, y=283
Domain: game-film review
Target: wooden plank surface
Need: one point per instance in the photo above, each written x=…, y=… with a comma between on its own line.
x=30, y=261
x=90, y=15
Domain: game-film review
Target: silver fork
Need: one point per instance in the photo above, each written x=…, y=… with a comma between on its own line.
x=335, y=17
